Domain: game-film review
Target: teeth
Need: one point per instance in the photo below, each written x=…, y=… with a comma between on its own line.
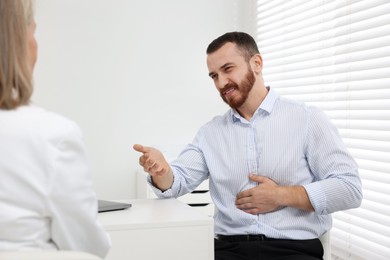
x=228, y=91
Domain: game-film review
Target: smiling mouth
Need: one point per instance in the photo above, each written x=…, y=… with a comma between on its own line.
x=228, y=92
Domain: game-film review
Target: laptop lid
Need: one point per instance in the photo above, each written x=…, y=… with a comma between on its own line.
x=106, y=205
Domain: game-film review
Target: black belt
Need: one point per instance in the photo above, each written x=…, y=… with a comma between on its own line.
x=241, y=238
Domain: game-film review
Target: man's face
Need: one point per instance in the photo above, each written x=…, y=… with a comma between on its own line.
x=232, y=74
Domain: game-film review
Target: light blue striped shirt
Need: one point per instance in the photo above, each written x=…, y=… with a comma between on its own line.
x=289, y=142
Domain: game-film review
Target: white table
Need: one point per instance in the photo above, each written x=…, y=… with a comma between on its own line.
x=159, y=229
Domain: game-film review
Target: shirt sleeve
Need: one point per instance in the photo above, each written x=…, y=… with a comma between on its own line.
x=189, y=171
x=72, y=202
x=337, y=185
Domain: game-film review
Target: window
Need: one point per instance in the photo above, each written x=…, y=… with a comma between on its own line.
x=336, y=55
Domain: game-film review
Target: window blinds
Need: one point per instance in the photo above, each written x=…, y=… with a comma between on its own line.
x=336, y=55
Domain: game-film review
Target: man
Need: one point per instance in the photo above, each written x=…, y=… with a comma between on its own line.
x=277, y=169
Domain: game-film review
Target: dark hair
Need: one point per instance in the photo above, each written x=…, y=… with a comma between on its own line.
x=244, y=42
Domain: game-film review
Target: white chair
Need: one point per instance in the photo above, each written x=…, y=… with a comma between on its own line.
x=47, y=255
x=325, y=240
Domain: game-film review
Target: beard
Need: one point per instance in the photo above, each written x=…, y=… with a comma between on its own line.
x=244, y=88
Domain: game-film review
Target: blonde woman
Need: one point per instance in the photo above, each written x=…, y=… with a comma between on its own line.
x=46, y=196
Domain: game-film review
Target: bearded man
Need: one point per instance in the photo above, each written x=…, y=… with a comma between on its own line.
x=277, y=169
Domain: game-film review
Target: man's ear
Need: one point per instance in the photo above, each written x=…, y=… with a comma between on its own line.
x=257, y=63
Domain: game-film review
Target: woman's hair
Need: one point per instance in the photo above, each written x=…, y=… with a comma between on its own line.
x=15, y=70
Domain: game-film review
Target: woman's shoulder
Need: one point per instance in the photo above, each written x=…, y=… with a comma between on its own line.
x=37, y=119
x=39, y=113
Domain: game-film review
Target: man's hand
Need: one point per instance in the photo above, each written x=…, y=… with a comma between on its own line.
x=152, y=160
x=268, y=196
x=155, y=164
x=260, y=199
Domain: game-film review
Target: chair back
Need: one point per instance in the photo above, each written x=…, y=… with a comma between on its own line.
x=325, y=240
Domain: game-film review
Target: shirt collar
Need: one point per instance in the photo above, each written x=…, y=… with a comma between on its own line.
x=265, y=107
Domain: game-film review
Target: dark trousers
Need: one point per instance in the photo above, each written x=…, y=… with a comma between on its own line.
x=269, y=249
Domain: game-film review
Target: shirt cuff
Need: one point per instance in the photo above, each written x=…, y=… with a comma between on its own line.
x=317, y=197
x=167, y=193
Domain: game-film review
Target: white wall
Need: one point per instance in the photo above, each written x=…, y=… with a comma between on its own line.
x=130, y=71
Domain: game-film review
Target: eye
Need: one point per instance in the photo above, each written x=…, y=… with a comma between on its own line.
x=213, y=76
x=228, y=68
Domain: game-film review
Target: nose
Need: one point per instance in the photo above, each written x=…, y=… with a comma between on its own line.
x=222, y=81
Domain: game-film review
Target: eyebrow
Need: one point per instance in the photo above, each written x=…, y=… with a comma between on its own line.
x=222, y=67
x=226, y=65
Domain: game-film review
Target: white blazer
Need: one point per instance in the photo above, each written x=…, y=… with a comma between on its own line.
x=46, y=196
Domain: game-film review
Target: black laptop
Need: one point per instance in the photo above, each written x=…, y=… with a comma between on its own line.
x=106, y=205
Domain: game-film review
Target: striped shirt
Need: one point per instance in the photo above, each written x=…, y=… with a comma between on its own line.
x=289, y=142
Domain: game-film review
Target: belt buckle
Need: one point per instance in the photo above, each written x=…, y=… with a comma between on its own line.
x=257, y=237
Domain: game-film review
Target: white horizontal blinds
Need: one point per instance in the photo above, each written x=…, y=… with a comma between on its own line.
x=336, y=55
